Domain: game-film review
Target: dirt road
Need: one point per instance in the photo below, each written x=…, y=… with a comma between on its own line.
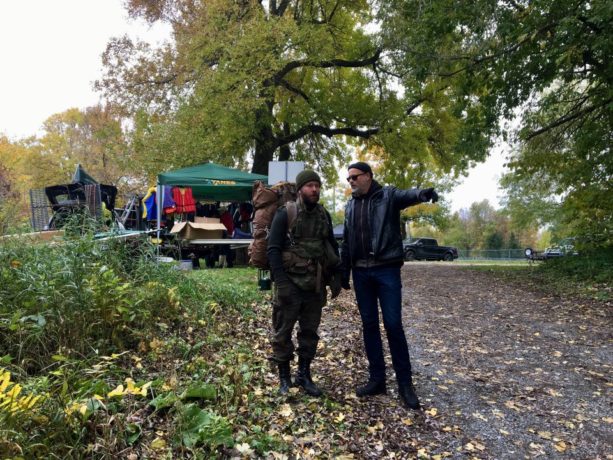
x=503, y=372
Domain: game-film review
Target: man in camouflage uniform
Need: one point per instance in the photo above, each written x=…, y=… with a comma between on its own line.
x=303, y=256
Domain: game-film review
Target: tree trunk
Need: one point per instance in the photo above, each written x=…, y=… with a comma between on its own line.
x=264, y=152
x=285, y=152
x=265, y=141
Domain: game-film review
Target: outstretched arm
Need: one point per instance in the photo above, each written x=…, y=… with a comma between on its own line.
x=405, y=198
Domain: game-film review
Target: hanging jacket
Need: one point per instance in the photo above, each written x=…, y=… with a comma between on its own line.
x=149, y=205
x=168, y=204
x=184, y=199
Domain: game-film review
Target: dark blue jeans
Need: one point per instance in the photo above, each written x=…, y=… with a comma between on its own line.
x=382, y=286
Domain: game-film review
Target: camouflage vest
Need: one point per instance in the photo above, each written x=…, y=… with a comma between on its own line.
x=304, y=260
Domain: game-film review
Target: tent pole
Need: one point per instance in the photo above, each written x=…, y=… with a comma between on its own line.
x=159, y=198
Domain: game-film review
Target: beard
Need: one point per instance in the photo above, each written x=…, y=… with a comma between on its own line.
x=311, y=199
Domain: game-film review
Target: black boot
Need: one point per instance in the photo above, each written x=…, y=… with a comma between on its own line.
x=303, y=378
x=372, y=388
x=285, y=378
x=408, y=396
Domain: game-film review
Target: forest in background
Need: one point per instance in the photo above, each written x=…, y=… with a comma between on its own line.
x=422, y=90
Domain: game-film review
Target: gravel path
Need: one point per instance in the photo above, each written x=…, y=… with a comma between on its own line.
x=517, y=373
x=502, y=372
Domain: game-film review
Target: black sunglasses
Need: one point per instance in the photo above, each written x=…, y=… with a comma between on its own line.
x=354, y=177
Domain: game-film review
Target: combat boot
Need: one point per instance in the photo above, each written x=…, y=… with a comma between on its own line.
x=303, y=378
x=285, y=378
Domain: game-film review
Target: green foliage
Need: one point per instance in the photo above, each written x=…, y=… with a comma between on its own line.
x=547, y=58
x=99, y=329
x=588, y=275
x=591, y=266
x=297, y=80
x=483, y=227
x=202, y=428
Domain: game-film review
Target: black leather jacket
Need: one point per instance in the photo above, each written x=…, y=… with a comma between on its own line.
x=384, y=206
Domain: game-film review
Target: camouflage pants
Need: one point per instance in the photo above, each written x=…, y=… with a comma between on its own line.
x=304, y=309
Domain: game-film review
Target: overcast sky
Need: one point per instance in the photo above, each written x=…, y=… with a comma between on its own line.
x=50, y=55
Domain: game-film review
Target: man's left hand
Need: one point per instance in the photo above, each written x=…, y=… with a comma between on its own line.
x=428, y=194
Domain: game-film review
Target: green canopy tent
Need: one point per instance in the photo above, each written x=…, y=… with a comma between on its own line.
x=210, y=181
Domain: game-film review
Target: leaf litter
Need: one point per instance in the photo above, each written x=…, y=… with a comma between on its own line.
x=502, y=372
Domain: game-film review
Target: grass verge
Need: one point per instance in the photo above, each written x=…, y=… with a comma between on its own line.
x=589, y=275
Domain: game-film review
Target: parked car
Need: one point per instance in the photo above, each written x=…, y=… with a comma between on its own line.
x=566, y=247
x=428, y=249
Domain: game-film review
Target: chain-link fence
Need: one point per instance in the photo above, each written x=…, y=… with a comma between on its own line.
x=491, y=254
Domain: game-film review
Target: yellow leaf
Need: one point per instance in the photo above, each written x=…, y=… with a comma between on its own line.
x=468, y=446
x=432, y=412
x=158, y=444
x=340, y=418
x=116, y=392
x=5, y=379
x=286, y=410
x=544, y=434
x=407, y=421
x=560, y=446
x=244, y=448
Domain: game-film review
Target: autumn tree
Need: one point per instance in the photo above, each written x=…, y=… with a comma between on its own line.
x=246, y=81
x=483, y=227
x=92, y=137
x=16, y=167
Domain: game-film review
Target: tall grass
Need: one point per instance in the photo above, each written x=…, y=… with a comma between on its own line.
x=95, y=330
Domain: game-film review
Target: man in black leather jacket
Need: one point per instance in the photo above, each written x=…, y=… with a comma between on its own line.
x=372, y=250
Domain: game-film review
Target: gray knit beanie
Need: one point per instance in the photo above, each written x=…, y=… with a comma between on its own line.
x=306, y=176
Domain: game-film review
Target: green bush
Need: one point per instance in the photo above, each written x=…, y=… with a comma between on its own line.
x=595, y=265
x=79, y=297
x=98, y=330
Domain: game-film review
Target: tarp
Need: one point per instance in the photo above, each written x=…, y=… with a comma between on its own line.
x=210, y=181
x=80, y=176
x=214, y=182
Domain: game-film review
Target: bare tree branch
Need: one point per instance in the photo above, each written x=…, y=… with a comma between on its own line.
x=327, y=131
x=287, y=85
x=326, y=64
x=566, y=119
